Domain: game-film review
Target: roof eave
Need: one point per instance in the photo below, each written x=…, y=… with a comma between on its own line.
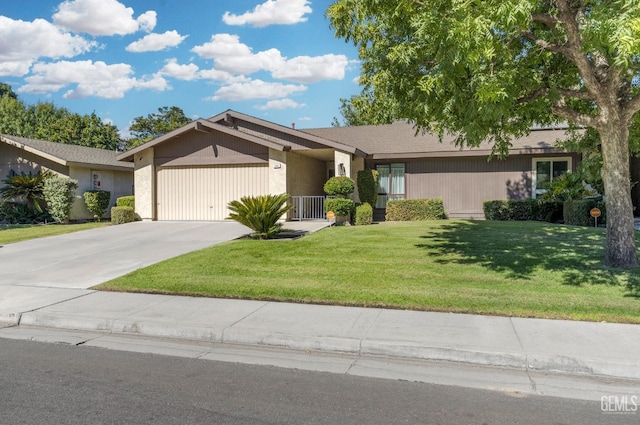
x=464, y=153
x=34, y=151
x=124, y=167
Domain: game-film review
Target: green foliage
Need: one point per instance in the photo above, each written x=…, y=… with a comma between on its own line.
x=122, y=215
x=368, y=186
x=59, y=194
x=260, y=213
x=577, y=211
x=415, y=210
x=155, y=125
x=45, y=121
x=126, y=201
x=523, y=209
x=567, y=187
x=17, y=213
x=339, y=185
x=6, y=90
x=26, y=188
x=341, y=207
x=367, y=109
x=364, y=214
x=97, y=202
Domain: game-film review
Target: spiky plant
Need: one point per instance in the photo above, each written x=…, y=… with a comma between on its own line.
x=260, y=213
x=25, y=187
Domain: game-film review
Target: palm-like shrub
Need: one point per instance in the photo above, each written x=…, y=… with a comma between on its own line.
x=260, y=213
x=27, y=188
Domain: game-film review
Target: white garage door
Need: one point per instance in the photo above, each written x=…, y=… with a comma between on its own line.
x=202, y=193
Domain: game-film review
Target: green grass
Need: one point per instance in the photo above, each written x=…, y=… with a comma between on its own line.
x=23, y=232
x=524, y=269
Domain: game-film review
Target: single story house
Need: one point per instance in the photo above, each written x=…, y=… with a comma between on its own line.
x=192, y=173
x=93, y=168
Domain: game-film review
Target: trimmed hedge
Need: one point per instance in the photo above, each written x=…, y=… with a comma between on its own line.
x=577, y=212
x=364, y=214
x=368, y=186
x=121, y=215
x=97, y=202
x=339, y=185
x=523, y=209
x=59, y=194
x=126, y=201
x=340, y=206
x=415, y=210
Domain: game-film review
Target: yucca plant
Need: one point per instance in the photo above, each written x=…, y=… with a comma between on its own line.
x=260, y=213
x=27, y=188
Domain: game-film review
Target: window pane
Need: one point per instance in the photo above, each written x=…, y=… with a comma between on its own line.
x=397, y=178
x=543, y=173
x=560, y=168
x=383, y=178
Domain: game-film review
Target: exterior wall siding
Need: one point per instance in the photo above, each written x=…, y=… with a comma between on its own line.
x=305, y=175
x=144, y=180
x=18, y=160
x=197, y=148
x=202, y=193
x=119, y=183
x=464, y=183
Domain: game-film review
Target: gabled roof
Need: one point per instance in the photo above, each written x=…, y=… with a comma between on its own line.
x=68, y=155
x=224, y=122
x=399, y=140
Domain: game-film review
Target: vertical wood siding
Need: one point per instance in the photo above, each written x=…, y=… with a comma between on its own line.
x=464, y=183
x=202, y=193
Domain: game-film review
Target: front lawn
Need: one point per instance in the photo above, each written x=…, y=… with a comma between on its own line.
x=525, y=269
x=23, y=232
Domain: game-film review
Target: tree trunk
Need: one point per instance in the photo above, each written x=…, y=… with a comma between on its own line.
x=621, y=244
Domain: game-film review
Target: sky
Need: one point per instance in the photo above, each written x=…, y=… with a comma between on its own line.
x=274, y=59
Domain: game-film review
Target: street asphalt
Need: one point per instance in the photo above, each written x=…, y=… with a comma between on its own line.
x=45, y=283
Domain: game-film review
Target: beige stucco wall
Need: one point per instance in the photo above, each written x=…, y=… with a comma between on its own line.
x=18, y=160
x=119, y=183
x=343, y=158
x=277, y=172
x=144, y=177
x=305, y=175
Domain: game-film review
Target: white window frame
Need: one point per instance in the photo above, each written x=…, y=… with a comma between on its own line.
x=534, y=171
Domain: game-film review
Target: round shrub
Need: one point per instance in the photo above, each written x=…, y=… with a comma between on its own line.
x=97, y=202
x=126, y=201
x=121, y=215
x=339, y=185
x=340, y=206
x=364, y=214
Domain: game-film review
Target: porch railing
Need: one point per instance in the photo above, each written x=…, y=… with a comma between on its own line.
x=307, y=208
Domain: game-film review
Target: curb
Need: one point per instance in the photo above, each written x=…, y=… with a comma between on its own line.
x=522, y=361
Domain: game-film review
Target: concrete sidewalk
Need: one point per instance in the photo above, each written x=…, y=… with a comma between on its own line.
x=584, y=348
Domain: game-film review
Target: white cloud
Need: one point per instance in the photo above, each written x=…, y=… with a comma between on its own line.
x=156, y=42
x=22, y=43
x=280, y=104
x=181, y=72
x=255, y=89
x=90, y=79
x=230, y=55
x=272, y=12
x=306, y=69
x=102, y=17
x=305, y=119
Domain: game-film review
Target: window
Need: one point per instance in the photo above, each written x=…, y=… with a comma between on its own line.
x=390, y=183
x=545, y=170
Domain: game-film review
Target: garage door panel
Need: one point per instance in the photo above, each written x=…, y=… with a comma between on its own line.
x=202, y=193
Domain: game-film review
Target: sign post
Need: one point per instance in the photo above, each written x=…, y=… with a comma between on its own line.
x=595, y=213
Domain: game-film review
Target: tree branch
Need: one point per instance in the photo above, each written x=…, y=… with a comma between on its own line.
x=553, y=48
x=561, y=109
x=632, y=108
x=550, y=21
x=536, y=94
x=576, y=94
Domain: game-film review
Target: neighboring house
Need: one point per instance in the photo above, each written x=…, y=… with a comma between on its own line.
x=193, y=172
x=93, y=168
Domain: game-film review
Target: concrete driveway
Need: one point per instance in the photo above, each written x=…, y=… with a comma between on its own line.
x=44, y=271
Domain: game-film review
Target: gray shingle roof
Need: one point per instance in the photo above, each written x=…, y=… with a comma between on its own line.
x=401, y=138
x=68, y=154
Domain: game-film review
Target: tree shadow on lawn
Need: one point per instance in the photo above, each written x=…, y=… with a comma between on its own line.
x=519, y=249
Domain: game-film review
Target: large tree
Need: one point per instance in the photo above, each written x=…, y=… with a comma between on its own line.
x=155, y=125
x=491, y=69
